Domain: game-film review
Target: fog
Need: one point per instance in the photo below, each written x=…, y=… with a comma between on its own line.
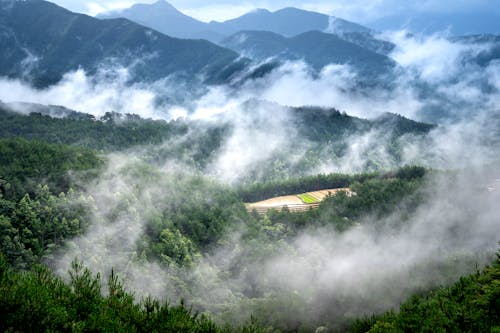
x=326, y=274
x=318, y=274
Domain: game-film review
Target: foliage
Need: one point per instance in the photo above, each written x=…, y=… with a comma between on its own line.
x=265, y=190
x=111, y=132
x=34, y=227
x=197, y=143
x=26, y=164
x=470, y=305
x=39, y=301
x=35, y=218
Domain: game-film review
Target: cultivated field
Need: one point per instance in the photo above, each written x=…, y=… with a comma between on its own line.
x=295, y=203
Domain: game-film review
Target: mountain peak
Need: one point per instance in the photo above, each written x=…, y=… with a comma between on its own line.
x=89, y=42
x=260, y=11
x=294, y=10
x=163, y=4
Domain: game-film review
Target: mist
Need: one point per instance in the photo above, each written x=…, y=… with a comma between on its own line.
x=320, y=273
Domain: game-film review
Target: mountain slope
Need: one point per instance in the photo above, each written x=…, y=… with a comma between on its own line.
x=163, y=17
x=50, y=41
x=166, y=19
x=287, y=22
x=368, y=41
x=316, y=48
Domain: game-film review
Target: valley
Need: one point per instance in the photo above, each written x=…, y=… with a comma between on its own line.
x=220, y=167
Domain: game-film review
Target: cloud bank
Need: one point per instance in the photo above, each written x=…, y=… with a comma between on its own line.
x=329, y=274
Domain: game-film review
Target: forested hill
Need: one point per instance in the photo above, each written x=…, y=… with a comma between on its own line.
x=470, y=305
x=326, y=124
x=117, y=131
x=110, y=132
x=44, y=41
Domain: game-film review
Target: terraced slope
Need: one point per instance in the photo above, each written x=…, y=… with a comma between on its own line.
x=295, y=203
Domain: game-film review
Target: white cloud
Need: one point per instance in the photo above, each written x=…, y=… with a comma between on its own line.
x=95, y=95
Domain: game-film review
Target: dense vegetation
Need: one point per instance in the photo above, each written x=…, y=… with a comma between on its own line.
x=323, y=137
x=111, y=132
x=38, y=207
x=261, y=191
x=470, y=305
x=39, y=301
x=160, y=207
x=24, y=165
x=54, y=192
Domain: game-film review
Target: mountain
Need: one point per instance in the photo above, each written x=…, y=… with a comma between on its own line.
x=287, y=22
x=54, y=111
x=323, y=125
x=56, y=124
x=316, y=48
x=166, y=19
x=340, y=26
x=41, y=41
x=368, y=41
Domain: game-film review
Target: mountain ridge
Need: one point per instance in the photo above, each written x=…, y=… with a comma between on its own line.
x=317, y=48
x=55, y=41
x=287, y=21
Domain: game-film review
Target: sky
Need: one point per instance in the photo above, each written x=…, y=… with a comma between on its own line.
x=362, y=11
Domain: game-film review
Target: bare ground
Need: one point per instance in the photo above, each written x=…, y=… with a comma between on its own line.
x=293, y=202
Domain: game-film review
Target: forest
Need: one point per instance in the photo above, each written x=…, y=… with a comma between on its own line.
x=67, y=187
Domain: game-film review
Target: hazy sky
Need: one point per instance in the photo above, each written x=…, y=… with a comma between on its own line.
x=363, y=11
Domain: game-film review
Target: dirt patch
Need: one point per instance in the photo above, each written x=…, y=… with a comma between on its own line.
x=292, y=202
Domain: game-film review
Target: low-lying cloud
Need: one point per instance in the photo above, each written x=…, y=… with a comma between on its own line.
x=367, y=269
x=327, y=274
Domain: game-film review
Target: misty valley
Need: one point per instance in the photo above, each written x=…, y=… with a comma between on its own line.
x=282, y=171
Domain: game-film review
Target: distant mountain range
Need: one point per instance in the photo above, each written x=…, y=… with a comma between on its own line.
x=166, y=19
x=316, y=48
x=41, y=41
x=286, y=34
x=288, y=22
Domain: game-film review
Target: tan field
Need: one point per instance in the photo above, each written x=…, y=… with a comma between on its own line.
x=321, y=195
x=293, y=202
